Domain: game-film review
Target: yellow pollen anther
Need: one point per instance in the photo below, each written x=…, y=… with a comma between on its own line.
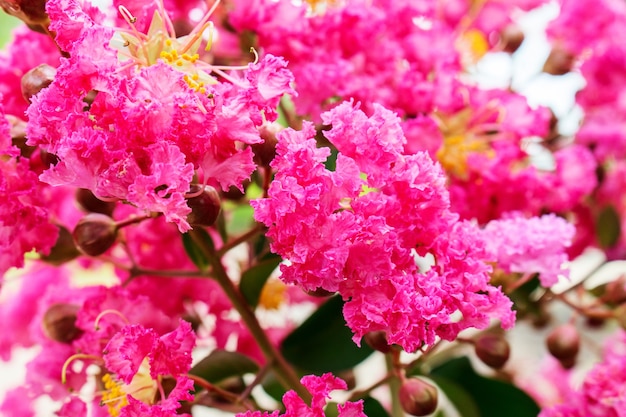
x=273, y=294
x=113, y=396
x=168, y=42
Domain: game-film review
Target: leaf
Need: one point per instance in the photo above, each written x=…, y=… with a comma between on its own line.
x=492, y=397
x=253, y=280
x=223, y=364
x=458, y=396
x=372, y=408
x=323, y=343
x=608, y=227
x=194, y=251
x=241, y=221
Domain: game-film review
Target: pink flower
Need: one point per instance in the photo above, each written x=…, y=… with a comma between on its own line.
x=357, y=230
x=320, y=388
x=158, y=118
x=530, y=245
x=138, y=359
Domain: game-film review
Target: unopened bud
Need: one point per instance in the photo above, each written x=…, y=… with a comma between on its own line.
x=18, y=135
x=32, y=12
x=418, y=397
x=511, y=38
x=36, y=80
x=64, y=249
x=95, y=234
x=205, y=207
x=559, y=62
x=378, y=341
x=492, y=349
x=59, y=323
x=92, y=204
x=265, y=152
x=615, y=292
x=564, y=343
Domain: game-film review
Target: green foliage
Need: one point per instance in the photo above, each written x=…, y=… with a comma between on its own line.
x=7, y=23
x=222, y=364
x=253, y=280
x=194, y=251
x=608, y=227
x=323, y=343
x=477, y=396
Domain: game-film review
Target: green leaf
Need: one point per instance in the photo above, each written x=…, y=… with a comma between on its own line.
x=273, y=387
x=323, y=343
x=7, y=23
x=194, y=251
x=241, y=221
x=253, y=280
x=492, y=397
x=608, y=227
x=223, y=364
x=458, y=396
x=372, y=408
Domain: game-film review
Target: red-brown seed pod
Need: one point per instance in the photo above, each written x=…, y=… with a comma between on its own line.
x=59, y=323
x=564, y=343
x=492, y=349
x=36, y=80
x=205, y=206
x=95, y=234
x=418, y=397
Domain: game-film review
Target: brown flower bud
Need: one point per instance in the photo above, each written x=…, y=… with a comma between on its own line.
x=64, y=249
x=615, y=291
x=511, y=38
x=492, y=349
x=92, y=204
x=378, y=341
x=564, y=343
x=18, y=135
x=59, y=323
x=205, y=207
x=265, y=152
x=32, y=12
x=95, y=234
x=36, y=80
x=559, y=62
x=418, y=397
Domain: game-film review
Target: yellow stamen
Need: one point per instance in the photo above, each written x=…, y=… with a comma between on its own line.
x=273, y=294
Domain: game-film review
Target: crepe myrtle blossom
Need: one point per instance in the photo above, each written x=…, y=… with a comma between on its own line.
x=137, y=361
x=137, y=122
x=357, y=230
x=530, y=245
x=320, y=388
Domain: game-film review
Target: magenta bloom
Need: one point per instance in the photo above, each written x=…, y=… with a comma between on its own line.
x=531, y=245
x=153, y=121
x=358, y=229
x=320, y=388
x=138, y=360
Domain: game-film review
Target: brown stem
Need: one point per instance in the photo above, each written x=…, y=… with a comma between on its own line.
x=240, y=239
x=284, y=372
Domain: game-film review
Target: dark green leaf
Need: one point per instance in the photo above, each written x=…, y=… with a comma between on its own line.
x=608, y=227
x=323, y=343
x=331, y=161
x=458, y=396
x=273, y=387
x=492, y=397
x=372, y=408
x=222, y=364
x=194, y=251
x=253, y=280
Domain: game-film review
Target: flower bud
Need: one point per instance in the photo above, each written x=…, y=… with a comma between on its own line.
x=59, y=323
x=18, y=135
x=559, y=62
x=64, y=249
x=511, y=38
x=563, y=343
x=378, y=341
x=32, y=12
x=92, y=204
x=615, y=291
x=95, y=234
x=36, y=80
x=492, y=349
x=205, y=207
x=418, y=397
x=265, y=152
